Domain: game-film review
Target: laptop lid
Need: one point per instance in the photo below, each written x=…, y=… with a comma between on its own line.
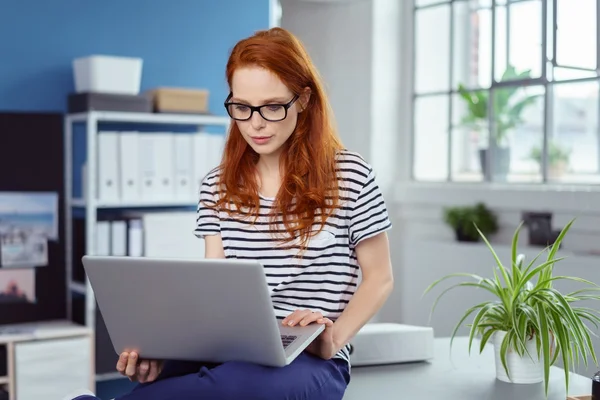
x=211, y=310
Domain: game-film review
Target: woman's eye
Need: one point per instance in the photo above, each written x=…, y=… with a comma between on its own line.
x=241, y=108
x=274, y=108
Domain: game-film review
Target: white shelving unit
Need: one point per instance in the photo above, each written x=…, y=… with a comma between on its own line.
x=90, y=203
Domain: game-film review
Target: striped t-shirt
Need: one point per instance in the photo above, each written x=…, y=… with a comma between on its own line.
x=325, y=276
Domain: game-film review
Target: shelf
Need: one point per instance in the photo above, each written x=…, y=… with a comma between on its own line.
x=150, y=118
x=4, y=380
x=81, y=203
x=77, y=287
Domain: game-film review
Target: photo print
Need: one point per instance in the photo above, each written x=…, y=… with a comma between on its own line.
x=17, y=286
x=28, y=220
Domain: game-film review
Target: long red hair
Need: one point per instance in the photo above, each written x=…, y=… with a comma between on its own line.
x=309, y=189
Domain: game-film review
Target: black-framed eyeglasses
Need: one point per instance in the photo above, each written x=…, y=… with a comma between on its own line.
x=270, y=112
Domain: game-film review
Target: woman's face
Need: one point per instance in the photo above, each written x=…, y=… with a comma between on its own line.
x=255, y=86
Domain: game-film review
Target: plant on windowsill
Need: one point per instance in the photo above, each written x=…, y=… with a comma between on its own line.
x=530, y=323
x=464, y=219
x=558, y=159
x=508, y=108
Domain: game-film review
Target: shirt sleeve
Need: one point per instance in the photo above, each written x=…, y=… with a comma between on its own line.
x=368, y=215
x=207, y=218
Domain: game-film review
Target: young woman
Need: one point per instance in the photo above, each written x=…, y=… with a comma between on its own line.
x=289, y=195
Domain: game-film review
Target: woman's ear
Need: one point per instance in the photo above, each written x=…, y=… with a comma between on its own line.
x=304, y=98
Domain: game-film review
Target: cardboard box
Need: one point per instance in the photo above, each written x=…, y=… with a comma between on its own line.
x=180, y=100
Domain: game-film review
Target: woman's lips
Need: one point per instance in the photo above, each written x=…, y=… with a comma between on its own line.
x=261, y=139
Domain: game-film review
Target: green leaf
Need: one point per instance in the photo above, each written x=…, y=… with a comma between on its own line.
x=544, y=335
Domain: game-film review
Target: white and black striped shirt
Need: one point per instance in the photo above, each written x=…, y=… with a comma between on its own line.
x=326, y=275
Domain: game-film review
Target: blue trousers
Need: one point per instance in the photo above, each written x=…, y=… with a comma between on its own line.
x=307, y=378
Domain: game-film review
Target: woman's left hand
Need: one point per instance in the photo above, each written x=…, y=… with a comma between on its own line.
x=324, y=345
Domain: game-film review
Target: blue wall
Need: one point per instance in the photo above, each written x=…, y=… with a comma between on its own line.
x=182, y=42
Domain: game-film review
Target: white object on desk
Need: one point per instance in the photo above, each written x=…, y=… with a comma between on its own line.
x=389, y=343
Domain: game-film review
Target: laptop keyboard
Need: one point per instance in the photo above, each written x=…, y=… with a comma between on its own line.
x=287, y=340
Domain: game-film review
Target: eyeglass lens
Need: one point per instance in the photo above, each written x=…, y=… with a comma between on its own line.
x=268, y=112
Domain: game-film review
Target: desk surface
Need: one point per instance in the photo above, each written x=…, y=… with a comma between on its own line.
x=455, y=376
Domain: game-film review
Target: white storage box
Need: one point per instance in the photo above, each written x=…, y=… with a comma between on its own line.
x=108, y=74
x=389, y=343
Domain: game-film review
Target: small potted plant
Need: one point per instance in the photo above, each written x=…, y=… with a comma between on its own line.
x=463, y=220
x=558, y=159
x=530, y=323
x=508, y=107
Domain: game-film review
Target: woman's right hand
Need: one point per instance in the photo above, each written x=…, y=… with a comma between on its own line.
x=136, y=370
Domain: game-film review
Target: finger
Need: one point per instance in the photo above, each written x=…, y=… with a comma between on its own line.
x=298, y=317
x=310, y=318
x=326, y=321
x=143, y=371
x=290, y=317
x=122, y=362
x=131, y=368
x=154, y=371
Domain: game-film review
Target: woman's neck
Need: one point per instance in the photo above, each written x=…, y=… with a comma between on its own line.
x=269, y=175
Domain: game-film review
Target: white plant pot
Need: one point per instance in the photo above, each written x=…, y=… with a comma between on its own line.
x=526, y=369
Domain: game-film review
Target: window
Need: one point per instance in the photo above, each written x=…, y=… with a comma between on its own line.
x=506, y=91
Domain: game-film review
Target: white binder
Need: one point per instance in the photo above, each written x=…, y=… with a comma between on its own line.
x=102, y=238
x=135, y=238
x=202, y=162
x=216, y=144
x=118, y=235
x=164, y=163
x=108, y=169
x=129, y=171
x=184, y=167
x=147, y=169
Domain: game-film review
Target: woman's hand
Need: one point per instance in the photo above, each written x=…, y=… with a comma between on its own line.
x=324, y=345
x=143, y=371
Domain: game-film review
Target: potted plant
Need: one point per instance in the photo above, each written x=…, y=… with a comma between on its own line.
x=530, y=323
x=464, y=220
x=558, y=159
x=507, y=114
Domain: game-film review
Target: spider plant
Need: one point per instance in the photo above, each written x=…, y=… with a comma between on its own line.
x=528, y=307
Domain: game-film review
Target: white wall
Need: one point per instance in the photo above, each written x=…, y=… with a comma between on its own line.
x=355, y=45
x=338, y=38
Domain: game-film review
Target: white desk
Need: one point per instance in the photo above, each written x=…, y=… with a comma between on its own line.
x=47, y=360
x=460, y=377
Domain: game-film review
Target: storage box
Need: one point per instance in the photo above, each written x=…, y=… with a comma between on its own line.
x=180, y=100
x=108, y=74
x=83, y=102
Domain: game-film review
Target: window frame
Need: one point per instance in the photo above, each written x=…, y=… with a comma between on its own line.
x=542, y=81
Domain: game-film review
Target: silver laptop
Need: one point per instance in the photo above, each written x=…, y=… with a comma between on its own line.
x=209, y=310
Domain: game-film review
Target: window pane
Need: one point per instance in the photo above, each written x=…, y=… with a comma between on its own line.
x=432, y=49
x=431, y=138
x=573, y=144
x=518, y=37
x=470, y=127
x=421, y=3
x=576, y=34
x=519, y=120
x=472, y=46
x=561, y=74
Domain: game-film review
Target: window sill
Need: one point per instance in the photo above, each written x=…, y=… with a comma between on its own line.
x=565, y=198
